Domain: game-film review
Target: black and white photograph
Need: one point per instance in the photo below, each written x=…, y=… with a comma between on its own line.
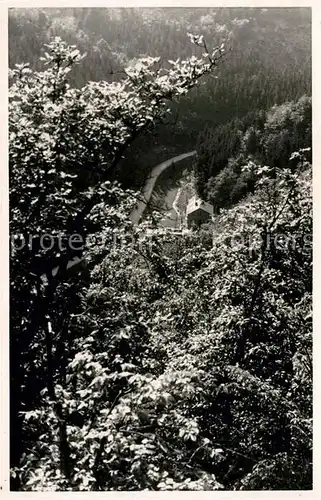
x=160, y=240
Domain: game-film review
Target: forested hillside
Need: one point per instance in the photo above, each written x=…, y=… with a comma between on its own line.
x=260, y=138
x=268, y=62
x=163, y=361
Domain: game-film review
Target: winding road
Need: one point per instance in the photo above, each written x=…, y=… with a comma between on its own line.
x=147, y=191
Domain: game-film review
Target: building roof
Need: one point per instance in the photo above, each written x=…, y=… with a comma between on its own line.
x=196, y=203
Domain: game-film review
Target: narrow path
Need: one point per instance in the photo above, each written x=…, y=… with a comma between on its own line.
x=175, y=207
x=150, y=184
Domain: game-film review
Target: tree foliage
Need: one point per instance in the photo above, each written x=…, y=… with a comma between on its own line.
x=162, y=362
x=192, y=365
x=65, y=144
x=263, y=138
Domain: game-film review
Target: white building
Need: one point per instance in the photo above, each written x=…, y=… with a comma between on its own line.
x=198, y=211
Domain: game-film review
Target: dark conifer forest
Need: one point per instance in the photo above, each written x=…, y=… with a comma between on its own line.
x=143, y=358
